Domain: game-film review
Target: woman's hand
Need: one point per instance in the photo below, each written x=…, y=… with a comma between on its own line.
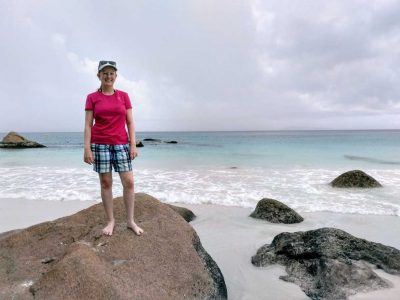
x=88, y=156
x=133, y=151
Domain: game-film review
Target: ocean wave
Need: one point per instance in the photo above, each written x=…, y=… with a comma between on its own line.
x=371, y=159
x=305, y=190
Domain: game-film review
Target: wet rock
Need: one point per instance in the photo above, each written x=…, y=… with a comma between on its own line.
x=139, y=144
x=166, y=262
x=152, y=140
x=187, y=214
x=171, y=142
x=329, y=263
x=15, y=140
x=275, y=212
x=355, y=178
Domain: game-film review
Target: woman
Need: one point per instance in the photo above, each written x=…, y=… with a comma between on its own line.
x=107, y=144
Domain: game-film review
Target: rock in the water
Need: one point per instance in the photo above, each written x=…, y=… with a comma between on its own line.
x=355, y=178
x=69, y=258
x=187, y=214
x=14, y=140
x=329, y=263
x=275, y=212
x=139, y=144
x=152, y=140
x=171, y=142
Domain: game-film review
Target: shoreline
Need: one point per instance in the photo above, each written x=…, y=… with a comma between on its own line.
x=231, y=238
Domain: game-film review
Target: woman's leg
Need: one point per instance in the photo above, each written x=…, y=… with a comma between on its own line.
x=129, y=200
x=107, y=198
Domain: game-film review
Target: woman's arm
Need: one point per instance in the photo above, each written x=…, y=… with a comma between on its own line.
x=88, y=156
x=131, y=131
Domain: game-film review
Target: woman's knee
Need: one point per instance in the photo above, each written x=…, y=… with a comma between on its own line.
x=128, y=184
x=106, y=182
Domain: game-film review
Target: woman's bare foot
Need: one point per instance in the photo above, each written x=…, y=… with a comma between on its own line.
x=108, y=230
x=136, y=229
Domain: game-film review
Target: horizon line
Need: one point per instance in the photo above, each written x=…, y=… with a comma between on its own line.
x=257, y=130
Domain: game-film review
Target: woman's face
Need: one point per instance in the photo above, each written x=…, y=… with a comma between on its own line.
x=107, y=76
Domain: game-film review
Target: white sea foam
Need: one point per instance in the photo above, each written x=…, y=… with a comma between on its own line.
x=305, y=190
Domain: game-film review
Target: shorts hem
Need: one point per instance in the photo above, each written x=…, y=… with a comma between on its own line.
x=111, y=157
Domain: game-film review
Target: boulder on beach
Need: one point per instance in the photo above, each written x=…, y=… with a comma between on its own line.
x=355, y=179
x=15, y=140
x=185, y=213
x=329, y=263
x=275, y=212
x=70, y=258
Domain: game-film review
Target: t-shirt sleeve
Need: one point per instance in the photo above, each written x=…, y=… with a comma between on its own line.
x=127, y=101
x=89, y=103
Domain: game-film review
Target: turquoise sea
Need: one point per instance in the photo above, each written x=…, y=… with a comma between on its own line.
x=227, y=168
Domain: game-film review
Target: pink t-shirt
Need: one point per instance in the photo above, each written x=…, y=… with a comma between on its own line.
x=109, y=112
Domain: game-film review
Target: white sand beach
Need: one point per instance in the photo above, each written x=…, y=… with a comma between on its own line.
x=231, y=238
x=21, y=213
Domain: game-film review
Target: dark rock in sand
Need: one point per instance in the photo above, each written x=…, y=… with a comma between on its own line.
x=275, y=212
x=139, y=144
x=69, y=258
x=355, y=179
x=171, y=142
x=329, y=263
x=14, y=140
x=187, y=214
x=152, y=140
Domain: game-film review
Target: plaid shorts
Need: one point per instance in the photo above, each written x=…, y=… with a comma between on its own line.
x=106, y=156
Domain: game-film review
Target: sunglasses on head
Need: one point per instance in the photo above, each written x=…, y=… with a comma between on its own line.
x=103, y=62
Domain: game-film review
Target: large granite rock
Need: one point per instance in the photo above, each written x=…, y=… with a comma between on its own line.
x=14, y=140
x=187, y=214
x=69, y=258
x=275, y=212
x=329, y=263
x=355, y=178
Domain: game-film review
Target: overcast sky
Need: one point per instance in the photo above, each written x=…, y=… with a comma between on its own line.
x=204, y=65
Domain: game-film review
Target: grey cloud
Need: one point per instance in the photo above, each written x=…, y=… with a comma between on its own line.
x=222, y=65
x=334, y=60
